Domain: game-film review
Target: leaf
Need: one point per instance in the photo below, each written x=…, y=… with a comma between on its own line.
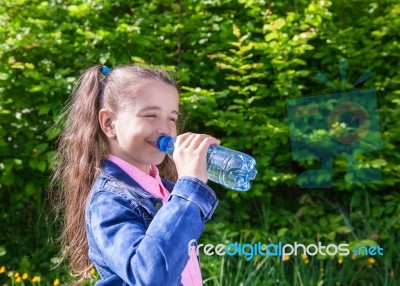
x=279, y=23
x=44, y=108
x=236, y=31
x=36, y=88
x=56, y=260
x=344, y=230
x=42, y=147
x=137, y=59
x=299, y=61
x=223, y=94
x=282, y=231
x=2, y=251
x=278, y=62
x=368, y=242
x=377, y=163
x=29, y=66
x=271, y=36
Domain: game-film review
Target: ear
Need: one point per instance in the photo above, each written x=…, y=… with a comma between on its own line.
x=106, y=120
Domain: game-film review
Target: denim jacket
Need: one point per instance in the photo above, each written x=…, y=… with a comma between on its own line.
x=132, y=241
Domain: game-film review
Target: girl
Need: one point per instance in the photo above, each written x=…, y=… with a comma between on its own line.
x=119, y=215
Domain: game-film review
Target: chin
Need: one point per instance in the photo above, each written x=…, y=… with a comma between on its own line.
x=158, y=161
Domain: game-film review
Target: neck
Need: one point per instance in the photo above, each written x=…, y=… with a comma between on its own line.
x=143, y=167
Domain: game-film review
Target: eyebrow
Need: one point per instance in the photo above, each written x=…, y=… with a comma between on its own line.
x=147, y=108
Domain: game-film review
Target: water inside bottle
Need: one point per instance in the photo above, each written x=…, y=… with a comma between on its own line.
x=234, y=170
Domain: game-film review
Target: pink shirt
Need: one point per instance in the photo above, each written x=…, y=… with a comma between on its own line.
x=191, y=275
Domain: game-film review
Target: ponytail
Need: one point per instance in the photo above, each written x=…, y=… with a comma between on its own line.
x=78, y=159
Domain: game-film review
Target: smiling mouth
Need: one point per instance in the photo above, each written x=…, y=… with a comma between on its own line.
x=154, y=145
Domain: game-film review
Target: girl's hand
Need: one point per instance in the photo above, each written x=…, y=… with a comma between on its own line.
x=190, y=154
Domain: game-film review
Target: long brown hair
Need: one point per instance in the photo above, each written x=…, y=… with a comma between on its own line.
x=82, y=147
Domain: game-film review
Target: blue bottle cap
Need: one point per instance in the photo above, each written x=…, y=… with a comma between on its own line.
x=165, y=143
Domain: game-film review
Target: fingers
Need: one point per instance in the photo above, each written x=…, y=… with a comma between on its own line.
x=183, y=140
x=205, y=144
x=197, y=139
x=190, y=154
x=191, y=141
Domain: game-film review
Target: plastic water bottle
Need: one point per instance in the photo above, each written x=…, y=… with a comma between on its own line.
x=225, y=166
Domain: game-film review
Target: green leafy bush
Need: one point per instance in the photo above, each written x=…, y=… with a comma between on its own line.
x=238, y=63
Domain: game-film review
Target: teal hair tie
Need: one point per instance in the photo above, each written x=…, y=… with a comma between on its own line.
x=105, y=70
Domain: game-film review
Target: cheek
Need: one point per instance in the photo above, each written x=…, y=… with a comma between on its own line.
x=174, y=130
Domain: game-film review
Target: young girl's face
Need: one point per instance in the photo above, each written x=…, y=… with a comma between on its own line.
x=137, y=127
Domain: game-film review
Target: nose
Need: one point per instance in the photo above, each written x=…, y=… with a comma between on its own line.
x=164, y=129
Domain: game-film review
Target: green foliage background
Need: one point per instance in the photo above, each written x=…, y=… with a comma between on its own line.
x=238, y=61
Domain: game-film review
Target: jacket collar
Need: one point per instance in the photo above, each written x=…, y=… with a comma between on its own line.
x=116, y=172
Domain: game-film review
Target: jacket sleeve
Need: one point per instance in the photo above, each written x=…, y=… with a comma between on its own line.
x=159, y=255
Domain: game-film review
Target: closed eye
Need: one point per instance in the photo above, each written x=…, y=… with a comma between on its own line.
x=155, y=116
